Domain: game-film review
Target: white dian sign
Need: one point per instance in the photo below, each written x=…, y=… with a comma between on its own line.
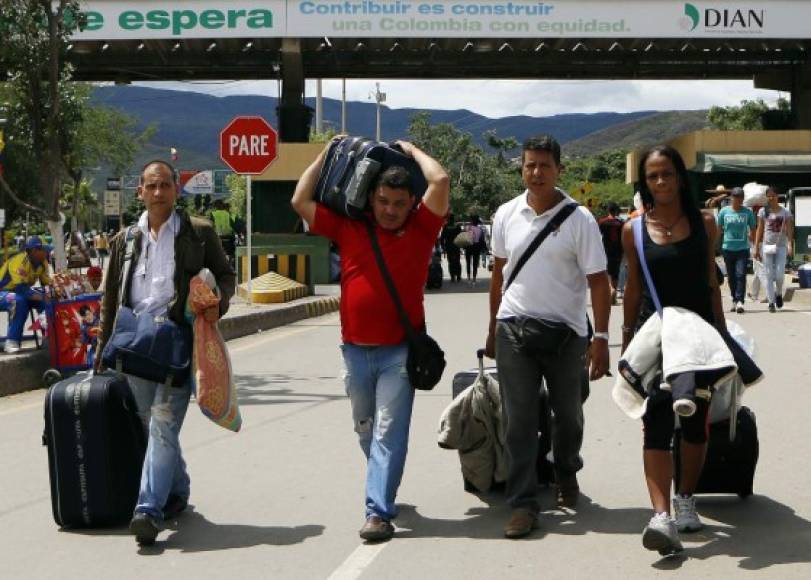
x=113, y=20
x=112, y=202
x=200, y=183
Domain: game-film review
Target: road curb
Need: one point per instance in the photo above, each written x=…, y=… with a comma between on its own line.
x=246, y=324
x=23, y=372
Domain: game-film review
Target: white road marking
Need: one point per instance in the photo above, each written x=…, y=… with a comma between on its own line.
x=357, y=562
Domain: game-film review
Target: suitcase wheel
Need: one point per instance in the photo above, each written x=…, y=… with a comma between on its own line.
x=745, y=493
x=51, y=377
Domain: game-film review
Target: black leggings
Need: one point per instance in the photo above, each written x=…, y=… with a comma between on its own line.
x=659, y=422
x=472, y=260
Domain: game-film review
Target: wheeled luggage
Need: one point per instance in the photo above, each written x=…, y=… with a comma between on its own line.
x=435, y=273
x=96, y=445
x=730, y=465
x=350, y=168
x=545, y=467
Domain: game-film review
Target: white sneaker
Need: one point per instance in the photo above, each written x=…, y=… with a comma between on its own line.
x=11, y=347
x=661, y=535
x=686, y=517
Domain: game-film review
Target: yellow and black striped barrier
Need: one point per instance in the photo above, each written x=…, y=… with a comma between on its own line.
x=293, y=266
x=272, y=288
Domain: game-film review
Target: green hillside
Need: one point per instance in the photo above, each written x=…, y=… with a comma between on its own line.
x=643, y=132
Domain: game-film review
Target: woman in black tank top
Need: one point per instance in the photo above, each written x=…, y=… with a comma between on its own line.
x=678, y=243
x=678, y=270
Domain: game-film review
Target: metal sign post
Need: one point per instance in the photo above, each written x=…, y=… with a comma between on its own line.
x=249, y=233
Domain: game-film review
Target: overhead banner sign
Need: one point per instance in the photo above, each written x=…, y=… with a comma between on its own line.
x=151, y=19
x=157, y=19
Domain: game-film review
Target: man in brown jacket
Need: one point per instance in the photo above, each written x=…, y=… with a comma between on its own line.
x=169, y=249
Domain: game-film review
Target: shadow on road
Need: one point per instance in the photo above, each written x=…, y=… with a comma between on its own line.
x=463, y=287
x=267, y=389
x=488, y=522
x=194, y=533
x=759, y=531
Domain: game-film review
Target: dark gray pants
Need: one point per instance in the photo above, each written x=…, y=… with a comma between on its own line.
x=520, y=371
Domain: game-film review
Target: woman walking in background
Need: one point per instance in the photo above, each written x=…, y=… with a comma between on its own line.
x=473, y=252
x=774, y=243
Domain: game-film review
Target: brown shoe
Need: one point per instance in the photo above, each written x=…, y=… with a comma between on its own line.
x=376, y=529
x=522, y=522
x=568, y=491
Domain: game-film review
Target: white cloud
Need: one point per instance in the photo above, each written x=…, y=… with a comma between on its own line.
x=502, y=98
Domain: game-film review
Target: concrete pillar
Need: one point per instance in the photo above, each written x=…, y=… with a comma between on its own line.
x=294, y=116
x=801, y=98
x=795, y=81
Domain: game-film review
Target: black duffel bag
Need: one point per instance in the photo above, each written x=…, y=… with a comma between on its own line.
x=349, y=171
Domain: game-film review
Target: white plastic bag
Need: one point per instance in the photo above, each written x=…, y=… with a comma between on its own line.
x=754, y=194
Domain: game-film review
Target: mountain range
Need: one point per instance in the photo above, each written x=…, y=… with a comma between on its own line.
x=191, y=122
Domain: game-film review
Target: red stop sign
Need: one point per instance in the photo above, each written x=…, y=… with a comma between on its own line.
x=248, y=145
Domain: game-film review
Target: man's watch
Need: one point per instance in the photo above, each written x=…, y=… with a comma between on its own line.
x=600, y=335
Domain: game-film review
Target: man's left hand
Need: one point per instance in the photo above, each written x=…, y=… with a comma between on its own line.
x=599, y=359
x=212, y=314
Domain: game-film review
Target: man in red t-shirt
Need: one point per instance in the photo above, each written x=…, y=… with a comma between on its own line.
x=374, y=347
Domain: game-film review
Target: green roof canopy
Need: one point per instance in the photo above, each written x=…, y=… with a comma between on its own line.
x=753, y=163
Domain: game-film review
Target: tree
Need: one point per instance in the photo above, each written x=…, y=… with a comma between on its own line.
x=81, y=209
x=44, y=113
x=238, y=186
x=480, y=181
x=104, y=136
x=748, y=116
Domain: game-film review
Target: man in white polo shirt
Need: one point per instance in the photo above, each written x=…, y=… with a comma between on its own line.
x=538, y=327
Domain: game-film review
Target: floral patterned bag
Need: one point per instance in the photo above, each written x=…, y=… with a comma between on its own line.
x=211, y=365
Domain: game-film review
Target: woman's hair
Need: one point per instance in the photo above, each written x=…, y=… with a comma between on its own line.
x=687, y=202
x=475, y=220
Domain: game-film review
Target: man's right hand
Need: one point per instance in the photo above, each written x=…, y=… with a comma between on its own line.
x=490, y=345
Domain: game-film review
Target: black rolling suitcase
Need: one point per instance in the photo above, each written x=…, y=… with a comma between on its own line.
x=730, y=465
x=96, y=445
x=350, y=168
x=435, y=274
x=545, y=468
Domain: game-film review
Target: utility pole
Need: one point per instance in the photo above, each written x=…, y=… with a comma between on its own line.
x=319, y=108
x=379, y=98
x=343, y=106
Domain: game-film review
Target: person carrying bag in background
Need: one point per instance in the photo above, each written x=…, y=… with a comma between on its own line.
x=145, y=293
x=774, y=243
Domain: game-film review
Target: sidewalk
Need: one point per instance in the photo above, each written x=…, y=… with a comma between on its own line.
x=23, y=371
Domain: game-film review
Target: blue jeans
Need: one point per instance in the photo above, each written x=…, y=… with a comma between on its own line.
x=164, y=470
x=18, y=309
x=382, y=398
x=775, y=266
x=735, y=261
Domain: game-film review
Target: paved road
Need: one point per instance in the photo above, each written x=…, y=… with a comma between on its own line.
x=284, y=498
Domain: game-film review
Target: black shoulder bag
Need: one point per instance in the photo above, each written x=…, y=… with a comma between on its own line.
x=150, y=347
x=426, y=360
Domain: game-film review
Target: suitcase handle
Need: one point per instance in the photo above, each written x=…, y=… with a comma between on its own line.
x=480, y=356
